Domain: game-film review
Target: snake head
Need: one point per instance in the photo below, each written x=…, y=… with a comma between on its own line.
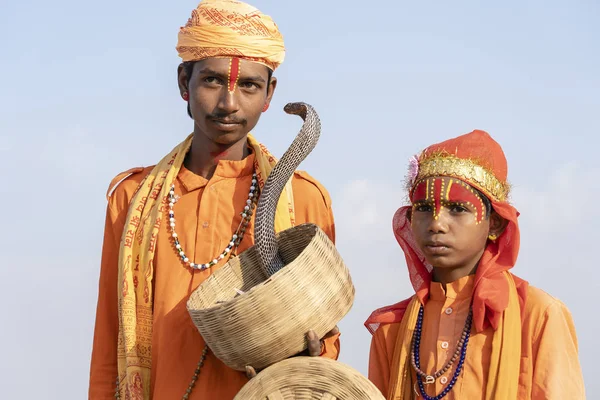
x=300, y=109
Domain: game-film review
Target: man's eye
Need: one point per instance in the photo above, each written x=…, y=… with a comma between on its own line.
x=213, y=80
x=249, y=85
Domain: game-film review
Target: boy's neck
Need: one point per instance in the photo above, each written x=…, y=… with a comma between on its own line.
x=449, y=275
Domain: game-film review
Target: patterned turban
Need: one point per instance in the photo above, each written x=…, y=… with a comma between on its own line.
x=228, y=29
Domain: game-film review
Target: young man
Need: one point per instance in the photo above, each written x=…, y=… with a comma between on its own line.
x=472, y=330
x=169, y=226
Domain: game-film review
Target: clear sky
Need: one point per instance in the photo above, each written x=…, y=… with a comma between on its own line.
x=88, y=89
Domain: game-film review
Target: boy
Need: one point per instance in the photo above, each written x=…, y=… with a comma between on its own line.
x=472, y=330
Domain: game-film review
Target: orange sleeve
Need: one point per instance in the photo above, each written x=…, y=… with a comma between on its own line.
x=327, y=222
x=313, y=203
x=379, y=364
x=331, y=347
x=556, y=368
x=103, y=369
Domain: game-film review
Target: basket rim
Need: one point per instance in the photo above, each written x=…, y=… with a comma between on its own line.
x=261, y=385
x=231, y=302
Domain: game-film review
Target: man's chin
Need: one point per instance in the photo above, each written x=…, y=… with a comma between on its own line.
x=230, y=138
x=226, y=138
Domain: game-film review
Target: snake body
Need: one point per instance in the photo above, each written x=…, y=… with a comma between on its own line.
x=303, y=144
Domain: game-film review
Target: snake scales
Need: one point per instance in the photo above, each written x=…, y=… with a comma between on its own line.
x=303, y=144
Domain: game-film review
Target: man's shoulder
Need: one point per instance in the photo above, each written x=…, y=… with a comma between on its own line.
x=123, y=186
x=307, y=186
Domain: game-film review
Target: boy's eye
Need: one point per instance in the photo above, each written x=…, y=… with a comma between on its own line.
x=423, y=208
x=249, y=85
x=457, y=208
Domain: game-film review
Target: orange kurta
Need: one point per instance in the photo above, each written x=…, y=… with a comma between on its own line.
x=207, y=213
x=550, y=366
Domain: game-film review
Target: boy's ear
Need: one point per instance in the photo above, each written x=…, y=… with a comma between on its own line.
x=497, y=224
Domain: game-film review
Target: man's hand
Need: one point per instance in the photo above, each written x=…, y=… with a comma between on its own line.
x=250, y=372
x=315, y=348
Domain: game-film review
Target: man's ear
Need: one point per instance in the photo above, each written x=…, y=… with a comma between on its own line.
x=271, y=90
x=182, y=79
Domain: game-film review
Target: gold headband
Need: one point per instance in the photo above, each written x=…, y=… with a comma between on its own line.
x=466, y=170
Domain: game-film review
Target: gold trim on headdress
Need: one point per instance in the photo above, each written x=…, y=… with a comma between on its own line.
x=464, y=169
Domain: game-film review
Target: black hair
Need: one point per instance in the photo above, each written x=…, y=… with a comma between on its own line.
x=188, y=67
x=486, y=202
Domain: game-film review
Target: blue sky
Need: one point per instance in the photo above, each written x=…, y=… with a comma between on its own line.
x=89, y=90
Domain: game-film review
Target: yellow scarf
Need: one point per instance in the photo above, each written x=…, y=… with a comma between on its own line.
x=136, y=261
x=503, y=376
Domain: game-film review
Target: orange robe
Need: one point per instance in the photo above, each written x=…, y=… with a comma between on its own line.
x=207, y=214
x=550, y=366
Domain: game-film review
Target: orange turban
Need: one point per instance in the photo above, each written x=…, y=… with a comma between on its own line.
x=227, y=28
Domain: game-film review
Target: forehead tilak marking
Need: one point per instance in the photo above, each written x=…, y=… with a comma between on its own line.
x=442, y=193
x=233, y=74
x=463, y=194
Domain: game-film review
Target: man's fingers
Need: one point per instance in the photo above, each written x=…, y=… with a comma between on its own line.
x=314, y=344
x=250, y=372
x=332, y=332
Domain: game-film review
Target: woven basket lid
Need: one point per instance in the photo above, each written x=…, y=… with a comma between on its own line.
x=309, y=378
x=269, y=322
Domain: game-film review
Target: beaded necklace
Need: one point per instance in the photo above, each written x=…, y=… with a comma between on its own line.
x=186, y=396
x=236, y=238
x=461, y=351
x=233, y=244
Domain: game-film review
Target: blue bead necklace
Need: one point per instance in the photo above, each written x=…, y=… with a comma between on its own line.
x=416, y=361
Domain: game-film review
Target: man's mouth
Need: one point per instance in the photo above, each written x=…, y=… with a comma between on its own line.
x=227, y=124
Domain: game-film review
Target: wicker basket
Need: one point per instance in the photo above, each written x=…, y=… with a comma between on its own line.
x=309, y=378
x=269, y=322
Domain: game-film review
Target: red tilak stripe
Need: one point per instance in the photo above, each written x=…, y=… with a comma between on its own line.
x=234, y=73
x=437, y=196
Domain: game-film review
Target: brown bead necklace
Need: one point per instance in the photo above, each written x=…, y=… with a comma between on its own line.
x=429, y=379
x=186, y=396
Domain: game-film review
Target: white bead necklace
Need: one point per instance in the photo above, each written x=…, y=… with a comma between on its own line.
x=235, y=239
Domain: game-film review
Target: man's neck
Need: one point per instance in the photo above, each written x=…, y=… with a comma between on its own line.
x=204, y=154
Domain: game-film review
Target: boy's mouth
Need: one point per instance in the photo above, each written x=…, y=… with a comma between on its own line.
x=437, y=248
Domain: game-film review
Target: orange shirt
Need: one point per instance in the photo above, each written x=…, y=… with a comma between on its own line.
x=207, y=214
x=550, y=366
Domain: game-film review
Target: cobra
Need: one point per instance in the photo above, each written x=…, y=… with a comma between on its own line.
x=303, y=144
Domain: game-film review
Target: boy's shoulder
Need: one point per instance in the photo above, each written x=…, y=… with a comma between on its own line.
x=540, y=306
x=539, y=299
